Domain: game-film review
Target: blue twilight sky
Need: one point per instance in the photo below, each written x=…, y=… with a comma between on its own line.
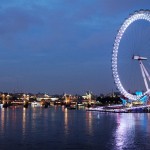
x=58, y=46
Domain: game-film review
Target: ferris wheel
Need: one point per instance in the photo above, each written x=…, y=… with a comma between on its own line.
x=138, y=15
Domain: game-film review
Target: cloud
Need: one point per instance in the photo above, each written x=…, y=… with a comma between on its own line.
x=61, y=35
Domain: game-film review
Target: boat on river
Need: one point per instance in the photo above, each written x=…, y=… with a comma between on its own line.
x=1, y=105
x=36, y=104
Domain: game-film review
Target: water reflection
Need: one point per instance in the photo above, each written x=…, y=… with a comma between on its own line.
x=89, y=122
x=66, y=120
x=13, y=116
x=2, y=123
x=24, y=113
x=130, y=129
x=38, y=128
x=33, y=118
x=125, y=130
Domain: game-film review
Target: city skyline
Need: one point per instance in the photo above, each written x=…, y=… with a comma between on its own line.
x=60, y=46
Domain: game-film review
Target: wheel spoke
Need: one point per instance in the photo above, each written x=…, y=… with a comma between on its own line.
x=139, y=15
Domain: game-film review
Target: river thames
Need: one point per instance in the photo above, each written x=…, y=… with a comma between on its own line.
x=62, y=129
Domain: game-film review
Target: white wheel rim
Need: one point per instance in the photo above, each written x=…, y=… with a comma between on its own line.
x=139, y=15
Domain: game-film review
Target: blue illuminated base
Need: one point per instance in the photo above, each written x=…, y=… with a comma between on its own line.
x=142, y=105
x=143, y=100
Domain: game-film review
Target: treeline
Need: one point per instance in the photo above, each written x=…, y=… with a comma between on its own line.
x=108, y=100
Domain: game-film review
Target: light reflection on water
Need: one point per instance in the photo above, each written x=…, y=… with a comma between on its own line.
x=89, y=123
x=24, y=114
x=132, y=131
x=125, y=130
x=60, y=128
x=65, y=121
x=2, y=120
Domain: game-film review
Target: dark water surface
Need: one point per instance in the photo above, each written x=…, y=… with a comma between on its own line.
x=57, y=128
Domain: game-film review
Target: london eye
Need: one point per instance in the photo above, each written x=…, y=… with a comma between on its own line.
x=121, y=44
